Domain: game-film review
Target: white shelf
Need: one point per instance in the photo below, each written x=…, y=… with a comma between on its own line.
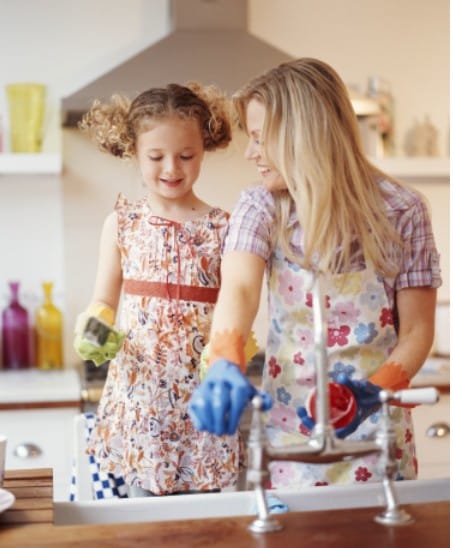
x=414, y=168
x=33, y=163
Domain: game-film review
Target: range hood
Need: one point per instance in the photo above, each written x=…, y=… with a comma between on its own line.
x=209, y=42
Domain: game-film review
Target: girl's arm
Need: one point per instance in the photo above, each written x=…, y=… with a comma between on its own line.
x=109, y=277
x=93, y=341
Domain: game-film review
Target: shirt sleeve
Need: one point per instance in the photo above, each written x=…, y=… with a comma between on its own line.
x=251, y=222
x=420, y=258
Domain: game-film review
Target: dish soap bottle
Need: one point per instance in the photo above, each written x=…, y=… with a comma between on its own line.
x=49, y=328
x=15, y=332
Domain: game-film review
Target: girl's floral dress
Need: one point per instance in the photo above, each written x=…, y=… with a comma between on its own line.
x=171, y=274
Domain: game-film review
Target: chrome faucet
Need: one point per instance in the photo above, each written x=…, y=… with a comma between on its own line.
x=323, y=446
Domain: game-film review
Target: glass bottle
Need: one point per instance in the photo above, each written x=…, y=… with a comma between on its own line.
x=380, y=90
x=15, y=332
x=49, y=330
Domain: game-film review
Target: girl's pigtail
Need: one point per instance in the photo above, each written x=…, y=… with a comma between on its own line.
x=218, y=130
x=107, y=125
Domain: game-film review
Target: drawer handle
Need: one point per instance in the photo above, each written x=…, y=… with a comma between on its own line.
x=438, y=430
x=27, y=450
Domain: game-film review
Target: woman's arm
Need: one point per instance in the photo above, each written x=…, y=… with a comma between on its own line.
x=416, y=311
x=416, y=307
x=217, y=404
x=240, y=292
x=236, y=308
x=109, y=277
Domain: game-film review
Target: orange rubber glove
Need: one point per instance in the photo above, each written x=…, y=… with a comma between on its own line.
x=230, y=346
x=391, y=376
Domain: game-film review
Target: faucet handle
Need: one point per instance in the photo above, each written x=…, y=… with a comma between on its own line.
x=262, y=401
x=416, y=396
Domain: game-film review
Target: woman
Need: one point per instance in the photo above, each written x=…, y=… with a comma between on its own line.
x=322, y=209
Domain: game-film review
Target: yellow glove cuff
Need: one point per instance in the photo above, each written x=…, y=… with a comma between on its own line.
x=251, y=348
x=103, y=312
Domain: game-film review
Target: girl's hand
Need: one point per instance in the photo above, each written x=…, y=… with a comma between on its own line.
x=99, y=354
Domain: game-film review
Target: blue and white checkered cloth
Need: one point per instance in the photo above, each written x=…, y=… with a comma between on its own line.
x=104, y=485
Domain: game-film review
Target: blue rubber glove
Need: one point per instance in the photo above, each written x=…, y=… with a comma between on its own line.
x=217, y=404
x=366, y=395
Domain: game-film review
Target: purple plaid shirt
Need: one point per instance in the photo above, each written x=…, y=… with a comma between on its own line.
x=253, y=220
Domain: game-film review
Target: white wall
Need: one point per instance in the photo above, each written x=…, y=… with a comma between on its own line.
x=66, y=44
x=403, y=41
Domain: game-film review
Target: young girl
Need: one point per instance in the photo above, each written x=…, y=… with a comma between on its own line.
x=163, y=252
x=322, y=208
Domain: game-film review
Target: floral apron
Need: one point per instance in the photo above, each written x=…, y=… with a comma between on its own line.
x=361, y=335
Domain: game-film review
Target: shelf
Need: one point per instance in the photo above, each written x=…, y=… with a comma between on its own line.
x=414, y=168
x=33, y=163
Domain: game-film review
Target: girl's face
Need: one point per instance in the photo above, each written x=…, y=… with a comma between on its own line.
x=255, y=114
x=169, y=157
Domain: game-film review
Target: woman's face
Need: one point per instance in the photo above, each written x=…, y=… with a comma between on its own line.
x=254, y=152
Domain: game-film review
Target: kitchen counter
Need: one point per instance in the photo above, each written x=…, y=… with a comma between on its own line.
x=25, y=388
x=339, y=529
x=28, y=523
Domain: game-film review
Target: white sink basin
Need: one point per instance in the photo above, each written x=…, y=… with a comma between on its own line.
x=242, y=503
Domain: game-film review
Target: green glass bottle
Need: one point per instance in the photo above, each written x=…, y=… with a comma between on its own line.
x=49, y=332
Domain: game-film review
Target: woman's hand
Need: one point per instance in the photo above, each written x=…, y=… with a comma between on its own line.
x=217, y=404
x=366, y=395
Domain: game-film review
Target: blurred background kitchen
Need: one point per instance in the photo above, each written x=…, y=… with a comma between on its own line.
x=394, y=56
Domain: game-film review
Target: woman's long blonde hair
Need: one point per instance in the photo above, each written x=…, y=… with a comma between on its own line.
x=312, y=138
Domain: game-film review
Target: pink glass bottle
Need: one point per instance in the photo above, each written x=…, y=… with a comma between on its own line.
x=15, y=332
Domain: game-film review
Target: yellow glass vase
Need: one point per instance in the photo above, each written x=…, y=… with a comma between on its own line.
x=49, y=332
x=26, y=115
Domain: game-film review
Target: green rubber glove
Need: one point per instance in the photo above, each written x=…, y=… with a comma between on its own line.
x=99, y=354
x=95, y=338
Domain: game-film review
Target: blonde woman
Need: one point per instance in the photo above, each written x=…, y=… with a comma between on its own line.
x=321, y=207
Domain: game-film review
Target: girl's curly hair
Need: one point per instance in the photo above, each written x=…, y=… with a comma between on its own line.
x=116, y=124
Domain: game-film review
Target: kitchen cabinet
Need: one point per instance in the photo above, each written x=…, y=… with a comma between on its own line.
x=432, y=437
x=37, y=411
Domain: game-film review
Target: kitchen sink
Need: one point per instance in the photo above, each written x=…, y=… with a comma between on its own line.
x=242, y=503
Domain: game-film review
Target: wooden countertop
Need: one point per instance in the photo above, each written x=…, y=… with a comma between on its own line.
x=339, y=529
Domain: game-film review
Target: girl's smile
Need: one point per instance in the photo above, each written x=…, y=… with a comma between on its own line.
x=170, y=154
